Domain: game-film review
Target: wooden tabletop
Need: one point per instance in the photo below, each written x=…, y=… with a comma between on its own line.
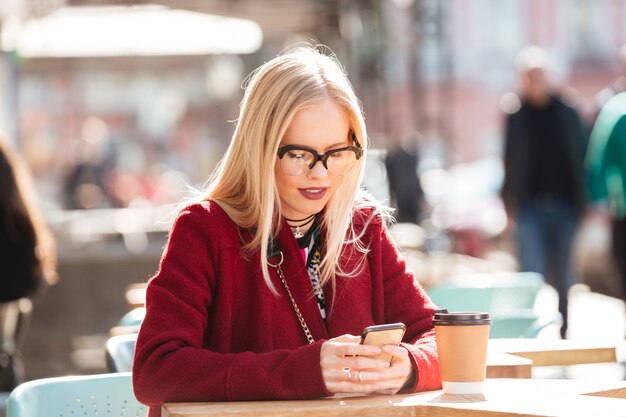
x=514, y=358
x=544, y=352
x=504, y=365
x=502, y=398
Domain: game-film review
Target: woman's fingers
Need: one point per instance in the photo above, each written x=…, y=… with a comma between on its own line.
x=396, y=351
x=354, y=349
x=349, y=387
x=354, y=375
x=350, y=381
x=340, y=360
x=364, y=362
x=390, y=386
x=398, y=374
x=346, y=338
x=349, y=367
x=339, y=353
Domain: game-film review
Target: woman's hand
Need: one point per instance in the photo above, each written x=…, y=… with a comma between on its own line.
x=399, y=374
x=348, y=367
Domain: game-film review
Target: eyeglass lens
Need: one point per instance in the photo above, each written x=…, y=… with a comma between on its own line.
x=297, y=161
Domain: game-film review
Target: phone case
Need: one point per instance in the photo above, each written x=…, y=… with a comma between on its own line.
x=385, y=334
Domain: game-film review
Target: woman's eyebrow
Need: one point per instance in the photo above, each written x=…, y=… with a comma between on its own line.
x=328, y=148
x=337, y=145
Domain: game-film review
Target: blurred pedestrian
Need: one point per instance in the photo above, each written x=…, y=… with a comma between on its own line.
x=93, y=162
x=543, y=190
x=27, y=257
x=606, y=165
x=404, y=185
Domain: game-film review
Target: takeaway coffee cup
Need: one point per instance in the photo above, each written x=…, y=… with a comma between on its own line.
x=462, y=347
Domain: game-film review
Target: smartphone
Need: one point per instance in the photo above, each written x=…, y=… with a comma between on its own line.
x=383, y=334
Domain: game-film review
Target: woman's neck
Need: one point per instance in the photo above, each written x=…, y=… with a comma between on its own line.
x=299, y=227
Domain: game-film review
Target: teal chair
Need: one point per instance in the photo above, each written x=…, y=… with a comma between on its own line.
x=133, y=318
x=508, y=297
x=130, y=322
x=120, y=352
x=73, y=396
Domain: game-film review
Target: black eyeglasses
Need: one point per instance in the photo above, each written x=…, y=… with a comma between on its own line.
x=295, y=160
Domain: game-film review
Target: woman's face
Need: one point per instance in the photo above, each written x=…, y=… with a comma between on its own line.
x=321, y=127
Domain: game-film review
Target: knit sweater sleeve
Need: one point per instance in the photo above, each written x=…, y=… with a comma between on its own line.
x=171, y=362
x=407, y=302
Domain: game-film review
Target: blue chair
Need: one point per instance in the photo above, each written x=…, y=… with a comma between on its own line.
x=72, y=396
x=129, y=322
x=508, y=297
x=120, y=351
x=133, y=318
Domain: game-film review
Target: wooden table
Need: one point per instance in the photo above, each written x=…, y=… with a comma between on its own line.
x=555, y=352
x=514, y=358
x=502, y=398
x=504, y=365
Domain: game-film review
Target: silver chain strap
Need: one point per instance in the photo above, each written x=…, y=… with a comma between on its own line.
x=279, y=271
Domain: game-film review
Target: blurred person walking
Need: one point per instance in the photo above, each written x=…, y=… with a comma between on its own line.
x=86, y=184
x=27, y=260
x=543, y=190
x=404, y=185
x=606, y=166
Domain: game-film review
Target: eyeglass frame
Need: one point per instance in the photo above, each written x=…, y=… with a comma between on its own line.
x=358, y=151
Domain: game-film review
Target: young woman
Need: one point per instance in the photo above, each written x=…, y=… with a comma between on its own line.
x=266, y=282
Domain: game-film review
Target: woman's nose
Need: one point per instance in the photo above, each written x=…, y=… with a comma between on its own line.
x=318, y=170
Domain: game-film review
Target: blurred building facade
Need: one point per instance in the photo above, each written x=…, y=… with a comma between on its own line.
x=437, y=67
x=418, y=65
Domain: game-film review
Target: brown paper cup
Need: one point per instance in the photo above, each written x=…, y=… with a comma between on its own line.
x=462, y=340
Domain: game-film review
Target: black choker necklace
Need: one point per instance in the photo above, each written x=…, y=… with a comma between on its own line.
x=307, y=220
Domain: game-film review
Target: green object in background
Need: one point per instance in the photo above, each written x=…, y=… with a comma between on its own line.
x=509, y=298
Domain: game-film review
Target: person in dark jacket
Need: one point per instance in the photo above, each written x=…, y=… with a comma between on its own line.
x=404, y=185
x=27, y=259
x=27, y=249
x=543, y=190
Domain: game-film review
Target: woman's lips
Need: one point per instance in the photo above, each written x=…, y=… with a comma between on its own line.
x=313, y=193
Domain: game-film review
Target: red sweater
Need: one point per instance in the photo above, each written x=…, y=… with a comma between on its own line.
x=213, y=331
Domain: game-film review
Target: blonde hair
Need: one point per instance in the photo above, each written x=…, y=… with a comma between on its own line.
x=244, y=184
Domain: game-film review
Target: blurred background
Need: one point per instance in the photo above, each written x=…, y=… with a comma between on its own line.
x=120, y=107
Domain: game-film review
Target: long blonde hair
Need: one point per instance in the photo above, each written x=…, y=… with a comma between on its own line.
x=244, y=184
